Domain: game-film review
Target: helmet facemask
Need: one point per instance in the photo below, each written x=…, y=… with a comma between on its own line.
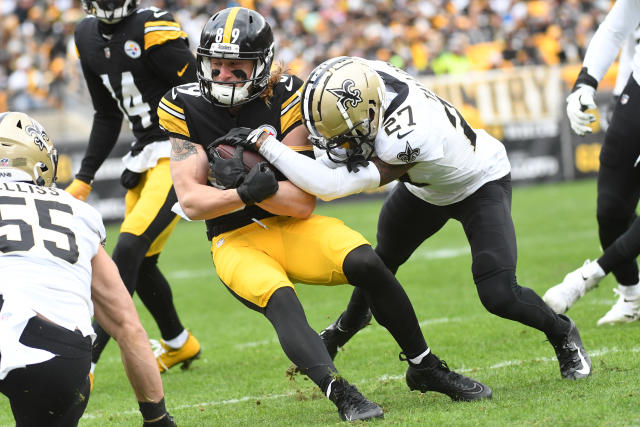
x=110, y=11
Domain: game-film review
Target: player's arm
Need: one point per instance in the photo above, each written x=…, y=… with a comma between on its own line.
x=317, y=178
x=290, y=199
x=189, y=171
x=107, y=119
x=115, y=312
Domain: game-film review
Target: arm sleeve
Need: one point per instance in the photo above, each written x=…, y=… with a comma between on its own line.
x=314, y=177
x=107, y=120
x=174, y=62
x=603, y=48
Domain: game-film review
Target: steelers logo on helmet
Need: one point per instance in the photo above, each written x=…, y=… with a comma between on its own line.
x=235, y=33
x=26, y=151
x=346, y=123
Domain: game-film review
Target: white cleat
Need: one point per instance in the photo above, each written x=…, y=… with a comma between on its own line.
x=626, y=309
x=575, y=284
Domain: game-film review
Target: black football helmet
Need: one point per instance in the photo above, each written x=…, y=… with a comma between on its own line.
x=110, y=11
x=241, y=34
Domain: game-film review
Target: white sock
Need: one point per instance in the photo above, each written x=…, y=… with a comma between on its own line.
x=593, y=269
x=630, y=291
x=416, y=360
x=93, y=367
x=178, y=341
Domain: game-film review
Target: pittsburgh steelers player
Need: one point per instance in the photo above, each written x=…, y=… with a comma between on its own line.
x=55, y=276
x=263, y=234
x=130, y=57
x=374, y=124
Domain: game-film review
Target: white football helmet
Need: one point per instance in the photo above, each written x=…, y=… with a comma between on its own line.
x=342, y=106
x=26, y=152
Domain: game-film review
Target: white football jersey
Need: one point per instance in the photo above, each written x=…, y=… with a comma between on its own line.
x=620, y=23
x=453, y=160
x=47, y=241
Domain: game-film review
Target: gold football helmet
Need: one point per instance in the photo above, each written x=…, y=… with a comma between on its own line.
x=342, y=106
x=26, y=152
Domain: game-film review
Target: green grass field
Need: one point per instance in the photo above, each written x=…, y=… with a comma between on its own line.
x=240, y=379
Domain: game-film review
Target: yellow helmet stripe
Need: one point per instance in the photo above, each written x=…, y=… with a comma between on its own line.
x=228, y=26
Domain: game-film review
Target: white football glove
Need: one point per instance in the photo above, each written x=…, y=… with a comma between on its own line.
x=577, y=102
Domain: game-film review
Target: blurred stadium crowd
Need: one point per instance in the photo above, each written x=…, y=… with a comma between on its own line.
x=39, y=68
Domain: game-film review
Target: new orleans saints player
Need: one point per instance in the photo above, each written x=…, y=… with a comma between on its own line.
x=358, y=110
x=263, y=234
x=55, y=273
x=129, y=59
x=619, y=174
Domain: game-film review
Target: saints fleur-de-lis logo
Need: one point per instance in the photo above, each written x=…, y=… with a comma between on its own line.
x=347, y=94
x=409, y=154
x=40, y=137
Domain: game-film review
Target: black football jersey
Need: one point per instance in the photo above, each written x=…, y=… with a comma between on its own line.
x=121, y=73
x=185, y=114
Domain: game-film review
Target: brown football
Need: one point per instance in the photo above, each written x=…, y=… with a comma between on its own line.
x=249, y=158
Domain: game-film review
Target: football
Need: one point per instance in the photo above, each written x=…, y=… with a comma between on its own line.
x=249, y=158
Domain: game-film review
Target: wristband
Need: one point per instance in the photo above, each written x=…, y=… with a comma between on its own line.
x=584, y=78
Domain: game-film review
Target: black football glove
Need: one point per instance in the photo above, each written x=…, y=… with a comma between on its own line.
x=234, y=137
x=129, y=179
x=228, y=172
x=259, y=184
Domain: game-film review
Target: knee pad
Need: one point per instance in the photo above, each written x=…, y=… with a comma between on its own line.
x=362, y=265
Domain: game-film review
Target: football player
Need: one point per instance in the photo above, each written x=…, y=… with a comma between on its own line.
x=55, y=276
x=374, y=124
x=618, y=184
x=262, y=231
x=130, y=57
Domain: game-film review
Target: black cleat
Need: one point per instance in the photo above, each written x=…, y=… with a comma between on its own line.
x=444, y=380
x=351, y=404
x=335, y=336
x=574, y=360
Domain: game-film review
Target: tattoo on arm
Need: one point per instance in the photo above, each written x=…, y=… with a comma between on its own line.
x=181, y=149
x=389, y=172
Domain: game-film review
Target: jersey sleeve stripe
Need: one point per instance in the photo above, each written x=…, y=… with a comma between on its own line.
x=291, y=114
x=159, y=32
x=172, y=118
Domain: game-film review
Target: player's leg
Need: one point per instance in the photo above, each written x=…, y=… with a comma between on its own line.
x=618, y=193
x=576, y=283
x=151, y=220
x=58, y=388
x=405, y=221
x=486, y=219
x=336, y=254
x=260, y=282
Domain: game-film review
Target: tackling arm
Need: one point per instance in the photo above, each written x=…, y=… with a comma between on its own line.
x=316, y=178
x=116, y=313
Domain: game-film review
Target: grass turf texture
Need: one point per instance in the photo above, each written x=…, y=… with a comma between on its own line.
x=240, y=379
